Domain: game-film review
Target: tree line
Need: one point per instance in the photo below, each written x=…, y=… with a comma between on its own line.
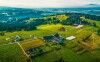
x=23, y=24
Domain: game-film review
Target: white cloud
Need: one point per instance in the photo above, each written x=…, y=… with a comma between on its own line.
x=43, y=3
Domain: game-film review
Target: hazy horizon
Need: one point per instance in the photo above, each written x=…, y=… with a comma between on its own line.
x=47, y=3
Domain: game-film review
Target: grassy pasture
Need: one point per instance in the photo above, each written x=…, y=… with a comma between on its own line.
x=42, y=30
x=32, y=44
x=66, y=51
x=67, y=54
x=12, y=53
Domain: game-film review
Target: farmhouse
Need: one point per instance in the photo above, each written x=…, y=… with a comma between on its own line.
x=18, y=38
x=79, y=26
x=62, y=29
x=48, y=38
x=53, y=38
x=70, y=38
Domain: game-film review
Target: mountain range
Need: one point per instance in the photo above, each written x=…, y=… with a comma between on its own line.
x=91, y=5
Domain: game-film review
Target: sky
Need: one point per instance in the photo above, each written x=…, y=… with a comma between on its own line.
x=46, y=3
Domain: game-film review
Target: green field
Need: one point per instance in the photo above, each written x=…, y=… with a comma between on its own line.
x=70, y=52
x=32, y=44
x=12, y=53
x=68, y=55
x=41, y=30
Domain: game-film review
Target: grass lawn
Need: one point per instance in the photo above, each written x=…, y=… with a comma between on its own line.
x=11, y=53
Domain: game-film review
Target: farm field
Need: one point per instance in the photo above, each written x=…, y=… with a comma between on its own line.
x=70, y=52
x=49, y=31
x=32, y=44
x=67, y=51
x=41, y=30
x=12, y=53
x=68, y=55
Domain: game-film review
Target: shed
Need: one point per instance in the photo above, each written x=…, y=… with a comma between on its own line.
x=70, y=38
x=18, y=38
x=62, y=29
x=79, y=26
x=7, y=38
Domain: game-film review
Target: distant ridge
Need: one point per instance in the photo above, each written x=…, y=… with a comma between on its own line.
x=92, y=5
x=10, y=8
x=84, y=6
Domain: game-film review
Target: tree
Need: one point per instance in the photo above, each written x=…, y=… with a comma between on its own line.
x=99, y=31
x=2, y=34
x=60, y=60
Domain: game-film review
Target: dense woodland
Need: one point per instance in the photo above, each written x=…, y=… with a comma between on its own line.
x=31, y=23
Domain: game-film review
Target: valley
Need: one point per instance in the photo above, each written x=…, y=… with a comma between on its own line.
x=49, y=35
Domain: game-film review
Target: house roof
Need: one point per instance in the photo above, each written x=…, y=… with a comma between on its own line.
x=70, y=38
x=56, y=35
x=48, y=38
x=62, y=29
x=79, y=26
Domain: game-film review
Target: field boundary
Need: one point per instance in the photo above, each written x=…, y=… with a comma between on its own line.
x=23, y=50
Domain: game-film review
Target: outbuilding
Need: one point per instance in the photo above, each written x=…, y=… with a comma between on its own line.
x=70, y=38
x=79, y=26
x=7, y=38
